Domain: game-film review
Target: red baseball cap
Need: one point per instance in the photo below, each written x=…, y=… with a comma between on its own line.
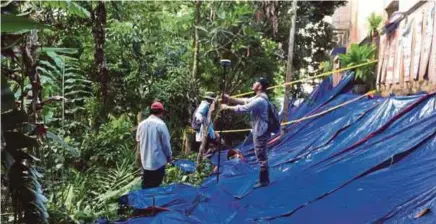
x=157, y=106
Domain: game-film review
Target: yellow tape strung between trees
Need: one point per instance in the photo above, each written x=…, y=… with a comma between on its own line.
x=309, y=78
x=302, y=80
x=310, y=116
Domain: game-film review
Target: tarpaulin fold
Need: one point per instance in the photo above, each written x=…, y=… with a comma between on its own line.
x=373, y=160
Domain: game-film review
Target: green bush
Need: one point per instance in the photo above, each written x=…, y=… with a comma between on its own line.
x=88, y=195
x=113, y=142
x=359, y=54
x=175, y=175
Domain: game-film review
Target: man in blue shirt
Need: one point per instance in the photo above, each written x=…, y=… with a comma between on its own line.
x=258, y=108
x=153, y=140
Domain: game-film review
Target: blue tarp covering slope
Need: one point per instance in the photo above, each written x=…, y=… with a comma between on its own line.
x=373, y=160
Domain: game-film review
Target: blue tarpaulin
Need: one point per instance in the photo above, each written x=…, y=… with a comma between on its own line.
x=185, y=165
x=373, y=160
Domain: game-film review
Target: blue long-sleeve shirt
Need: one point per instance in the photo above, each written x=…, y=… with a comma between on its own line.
x=258, y=108
x=154, y=143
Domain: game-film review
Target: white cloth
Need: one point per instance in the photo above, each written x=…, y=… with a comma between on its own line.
x=154, y=143
x=201, y=115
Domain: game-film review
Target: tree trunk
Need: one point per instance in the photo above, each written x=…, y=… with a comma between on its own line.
x=289, y=69
x=98, y=16
x=270, y=11
x=187, y=141
x=196, y=41
x=98, y=31
x=30, y=63
x=139, y=117
x=187, y=135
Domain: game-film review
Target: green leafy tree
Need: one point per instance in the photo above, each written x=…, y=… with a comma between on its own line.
x=22, y=130
x=314, y=36
x=359, y=54
x=24, y=108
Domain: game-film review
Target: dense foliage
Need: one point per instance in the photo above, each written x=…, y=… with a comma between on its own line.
x=359, y=54
x=77, y=77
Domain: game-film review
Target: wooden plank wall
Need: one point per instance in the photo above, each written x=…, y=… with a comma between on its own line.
x=407, y=57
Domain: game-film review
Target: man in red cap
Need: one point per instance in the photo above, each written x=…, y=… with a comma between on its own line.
x=153, y=140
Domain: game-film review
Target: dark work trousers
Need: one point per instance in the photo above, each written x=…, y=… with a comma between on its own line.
x=260, y=149
x=152, y=178
x=195, y=146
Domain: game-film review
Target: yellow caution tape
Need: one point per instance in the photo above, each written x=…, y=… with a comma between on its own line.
x=309, y=78
x=303, y=80
x=310, y=116
x=235, y=130
x=328, y=110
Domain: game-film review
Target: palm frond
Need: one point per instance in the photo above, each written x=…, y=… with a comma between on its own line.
x=359, y=54
x=374, y=21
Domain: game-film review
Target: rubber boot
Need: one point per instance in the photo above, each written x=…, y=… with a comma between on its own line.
x=263, y=179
